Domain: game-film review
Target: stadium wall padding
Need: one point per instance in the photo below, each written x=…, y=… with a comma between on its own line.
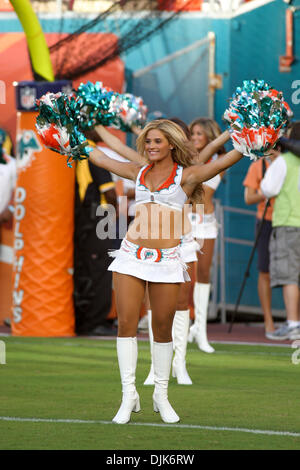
x=13, y=45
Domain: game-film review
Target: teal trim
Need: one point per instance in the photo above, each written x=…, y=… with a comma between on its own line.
x=172, y=184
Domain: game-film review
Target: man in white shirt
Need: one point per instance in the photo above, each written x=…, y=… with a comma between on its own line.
x=274, y=177
x=282, y=180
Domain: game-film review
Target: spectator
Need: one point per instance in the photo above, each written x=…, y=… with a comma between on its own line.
x=253, y=195
x=92, y=280
x=282, y=180
x=292, y=145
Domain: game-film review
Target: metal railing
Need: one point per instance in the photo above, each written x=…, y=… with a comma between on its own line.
x=218, y=301
x=208, y=40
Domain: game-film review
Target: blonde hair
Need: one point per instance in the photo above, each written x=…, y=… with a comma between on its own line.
x=183, y=151
x=211, y=128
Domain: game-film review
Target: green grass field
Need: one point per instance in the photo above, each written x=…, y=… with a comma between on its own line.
x=241, y=388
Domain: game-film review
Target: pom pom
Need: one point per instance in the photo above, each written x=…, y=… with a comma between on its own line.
x=130, y=111
x=97, y=105
x=257, y=115
x=57, y=126
x=63, y=118
x=101, y=105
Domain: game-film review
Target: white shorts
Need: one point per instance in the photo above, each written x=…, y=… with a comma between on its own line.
x=189, y=248
x=149, y=264
x=208, y=228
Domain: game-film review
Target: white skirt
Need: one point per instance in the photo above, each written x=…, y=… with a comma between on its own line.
x=149, y=264
x=189, y=248
x=208, y=228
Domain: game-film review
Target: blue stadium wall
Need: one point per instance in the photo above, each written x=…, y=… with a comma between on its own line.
x=248, y=46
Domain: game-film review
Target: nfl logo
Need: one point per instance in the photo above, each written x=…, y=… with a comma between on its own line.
x=27, y=97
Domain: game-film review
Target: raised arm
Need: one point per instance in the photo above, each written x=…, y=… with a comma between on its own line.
x=115, y=144
x=125, y=170
x=212, y=148
x=200, y=173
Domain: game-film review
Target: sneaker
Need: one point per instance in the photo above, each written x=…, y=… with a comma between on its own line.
x=285, y=332
x=268, y=334
x=143, y=323
x=295, y=333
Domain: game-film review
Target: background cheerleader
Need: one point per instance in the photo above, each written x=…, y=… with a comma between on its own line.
x=204, y=131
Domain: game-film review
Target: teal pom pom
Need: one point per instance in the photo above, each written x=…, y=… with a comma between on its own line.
x=257, y=116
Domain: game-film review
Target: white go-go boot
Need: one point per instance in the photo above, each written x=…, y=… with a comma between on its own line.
x=127, y=358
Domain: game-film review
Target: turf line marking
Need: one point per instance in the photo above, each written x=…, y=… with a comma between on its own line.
x=159, y=425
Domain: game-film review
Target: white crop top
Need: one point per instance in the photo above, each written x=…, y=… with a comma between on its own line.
x=169, y=193
x=214, y=182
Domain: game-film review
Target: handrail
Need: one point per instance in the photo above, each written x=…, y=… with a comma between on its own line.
x=219, y=263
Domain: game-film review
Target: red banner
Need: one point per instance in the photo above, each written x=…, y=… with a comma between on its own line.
x=182, y=5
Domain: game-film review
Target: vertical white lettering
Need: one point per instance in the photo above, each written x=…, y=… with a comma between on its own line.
x=18, y=263
x=20, y=194
x=17, y=314
x=19, y=212
x=19, y=244
x=18, y=297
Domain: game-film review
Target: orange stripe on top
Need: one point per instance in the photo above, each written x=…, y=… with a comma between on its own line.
x=170, y=180
x=142, y=178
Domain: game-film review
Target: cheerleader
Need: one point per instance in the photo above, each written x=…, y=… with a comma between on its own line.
x=147, y=255
x=188, y=250
x=204, y=131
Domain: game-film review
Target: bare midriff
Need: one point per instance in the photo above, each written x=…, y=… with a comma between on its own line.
x=208, y=199
x=208, y=194
x=157, y=226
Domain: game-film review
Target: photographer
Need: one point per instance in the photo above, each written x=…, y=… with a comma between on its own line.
x=282, y=180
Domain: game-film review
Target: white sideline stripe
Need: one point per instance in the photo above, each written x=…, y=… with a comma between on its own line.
x=248, y=343
x=180, y=426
